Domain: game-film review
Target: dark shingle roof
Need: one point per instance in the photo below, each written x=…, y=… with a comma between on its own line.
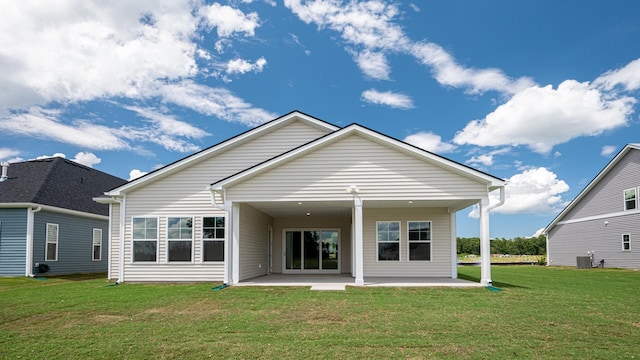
x=57, y=182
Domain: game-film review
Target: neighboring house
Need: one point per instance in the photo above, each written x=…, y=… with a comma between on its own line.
x=48, y=219
x=296, y=195
x=603, y=221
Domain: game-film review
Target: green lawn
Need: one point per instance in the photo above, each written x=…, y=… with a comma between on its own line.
x=541, y=313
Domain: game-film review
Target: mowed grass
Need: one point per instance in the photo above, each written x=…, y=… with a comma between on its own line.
x=554, y=313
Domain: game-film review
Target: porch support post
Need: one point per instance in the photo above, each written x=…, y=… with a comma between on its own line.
x=235, y=263
x=485, y=244
x=232, y=234
x=454, y=243
x=357, y=224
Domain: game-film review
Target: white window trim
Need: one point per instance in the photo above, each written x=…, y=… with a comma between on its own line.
x=202, y=239
x=430, y=241
x=47, y=242
x=629, y=241
x=624, y=199
x=133, y=261
x=193, y=230
x=399, y=242
x=93, y=244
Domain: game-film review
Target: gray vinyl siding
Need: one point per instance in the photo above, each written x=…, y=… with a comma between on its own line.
x=75, y=243
x=440, y=264
x=607, y=195
x=568, y=241
x=13, y=240
x=379, y=172
x=185, y=193
x=254, y=245
x=343, y=223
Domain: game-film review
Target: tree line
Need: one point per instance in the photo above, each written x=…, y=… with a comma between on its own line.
x=517, y=246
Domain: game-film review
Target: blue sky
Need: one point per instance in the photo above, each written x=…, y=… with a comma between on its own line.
x=541, y=93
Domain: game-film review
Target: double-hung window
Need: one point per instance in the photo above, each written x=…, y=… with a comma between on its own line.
x=97, y=245
x=419, y=240
x=630, y=199
x=626, y=242
x=388, y=239
x=180, y=238
x=213, y=238
x=51, y=250
x=145, y=239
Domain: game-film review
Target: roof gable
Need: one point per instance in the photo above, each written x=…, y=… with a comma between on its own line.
x=601, y=175
x=224, y=146
x=57, y=182
x=462, y=170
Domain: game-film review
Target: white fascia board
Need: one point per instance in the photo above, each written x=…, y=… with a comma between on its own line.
x=491, y=181
x=53, y=209
x=591, y=185
x=226, y=144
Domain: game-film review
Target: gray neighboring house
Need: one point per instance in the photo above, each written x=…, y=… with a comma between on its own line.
x=603, y=221
x=48, y=220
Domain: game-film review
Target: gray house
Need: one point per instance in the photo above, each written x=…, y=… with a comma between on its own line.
x=603, y=221
x=48, y=220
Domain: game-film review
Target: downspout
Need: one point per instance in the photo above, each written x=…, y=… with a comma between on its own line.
x=29, y=245
x=501, y=202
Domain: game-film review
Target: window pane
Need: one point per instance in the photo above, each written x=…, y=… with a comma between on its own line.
x=383, y=236
x=151, y=234
x=220, y=222
x=180, y=250
x=383, y=226
x=311, y=250
x=151, y=223
x=138, y=233
x=388, y=251
x=173, y=233
x=414, y=235
x=208, y=233
x=219, y=233
x=144, y=251
x=394, y=235
x=394, y=226
x=420, y=251
x=51, y=251
x=208, y=222
x=213, y=250
x=96, y=253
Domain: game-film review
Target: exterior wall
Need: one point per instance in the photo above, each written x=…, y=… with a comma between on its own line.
x=378, y=171
x=75, y=243
x=568, y=241
x=582, y=228
x=13, y=241
x=254, y=242
x=607, y=196
x=343, y=223
x=185, y=193
x=439, y=266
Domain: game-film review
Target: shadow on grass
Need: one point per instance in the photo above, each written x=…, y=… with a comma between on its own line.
x=495, y=284
x=74, y=277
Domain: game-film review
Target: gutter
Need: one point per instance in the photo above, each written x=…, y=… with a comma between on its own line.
x=501, y=202
x=29, y=245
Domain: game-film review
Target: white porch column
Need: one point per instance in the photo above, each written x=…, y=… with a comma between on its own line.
x=485, y=244
x=232, y=234
x=235, y=263
x=454, y=242
x=359, y=256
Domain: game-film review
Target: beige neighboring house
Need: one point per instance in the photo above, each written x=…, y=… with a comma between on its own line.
x=297, y=195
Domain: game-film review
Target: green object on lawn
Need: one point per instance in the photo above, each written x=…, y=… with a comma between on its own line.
x=220, y=287
x=493, y=288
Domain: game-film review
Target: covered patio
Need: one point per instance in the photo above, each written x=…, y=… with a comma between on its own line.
x=340, y=282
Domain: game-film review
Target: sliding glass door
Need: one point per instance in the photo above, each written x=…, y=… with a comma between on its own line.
x=311, y=250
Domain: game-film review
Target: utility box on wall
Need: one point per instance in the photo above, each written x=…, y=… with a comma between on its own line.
x=583, y=262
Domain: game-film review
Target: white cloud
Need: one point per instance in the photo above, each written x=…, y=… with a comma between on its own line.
x=241, y=66
x=533, y=191
x=628, y=77
x=388, y=98
x=430, y=142
x=229, y=21
x=369, y=27
x=608, y=150
x=6, y=153
x=219, y=102
x=537, y=233
x=373, y=65
x=542, y=117
x=486, y=159
x=79, y=50
x=135, y=173
x=414, y=7
x=87, y=159
x=45, y=124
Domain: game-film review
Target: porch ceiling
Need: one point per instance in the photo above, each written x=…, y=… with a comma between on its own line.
x=343, y=208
